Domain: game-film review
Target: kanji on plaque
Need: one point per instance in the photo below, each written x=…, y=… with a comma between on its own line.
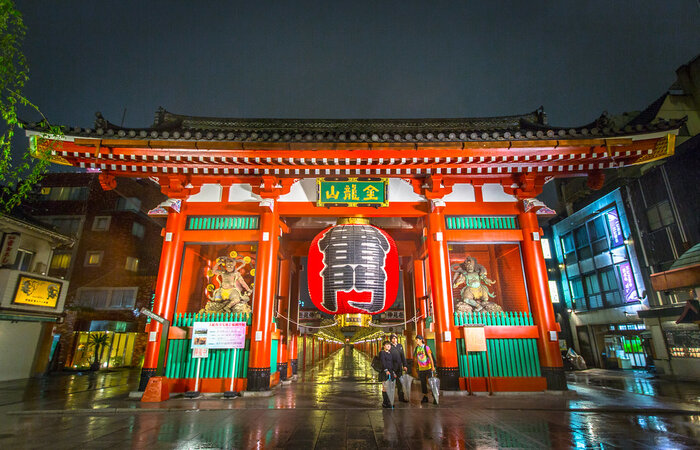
x=352, y=192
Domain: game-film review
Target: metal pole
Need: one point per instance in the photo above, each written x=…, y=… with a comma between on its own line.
x=196, y=379
x=233, y=370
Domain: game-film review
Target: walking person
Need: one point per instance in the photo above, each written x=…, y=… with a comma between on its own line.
x=399, y=358
x=423, y=358
x=387, y=372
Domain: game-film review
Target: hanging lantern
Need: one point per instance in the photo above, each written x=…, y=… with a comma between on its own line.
x=353, y=268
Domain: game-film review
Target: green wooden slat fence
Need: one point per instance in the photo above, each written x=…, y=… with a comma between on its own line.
x=180, y=364
x=222, y=222
x=481, y=223
x=508, y=357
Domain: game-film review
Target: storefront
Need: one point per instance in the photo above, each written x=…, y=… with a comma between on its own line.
x=247, y=198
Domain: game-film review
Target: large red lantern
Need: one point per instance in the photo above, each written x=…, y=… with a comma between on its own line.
x=353, y=268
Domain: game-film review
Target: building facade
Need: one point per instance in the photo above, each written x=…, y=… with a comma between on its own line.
x=31, y=299
x=657, y=204
x=112, y=267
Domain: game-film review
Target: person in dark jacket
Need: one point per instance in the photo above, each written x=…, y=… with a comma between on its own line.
x=400, y=365
x=387, y=372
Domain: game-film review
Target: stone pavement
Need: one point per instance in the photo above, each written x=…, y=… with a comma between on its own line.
x=335, y=404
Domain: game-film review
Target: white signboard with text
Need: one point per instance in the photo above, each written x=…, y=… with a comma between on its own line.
x=211, y=335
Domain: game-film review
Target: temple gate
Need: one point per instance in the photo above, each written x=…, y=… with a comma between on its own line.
x=246, y=200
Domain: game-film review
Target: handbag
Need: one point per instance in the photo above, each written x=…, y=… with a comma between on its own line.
x=376, y=364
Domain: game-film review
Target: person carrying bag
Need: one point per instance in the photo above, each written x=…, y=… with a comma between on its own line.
x=423, y=358
x=386, y=374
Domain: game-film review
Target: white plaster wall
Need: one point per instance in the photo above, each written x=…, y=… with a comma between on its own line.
x=461, y=193
x=18, y=342
x=493, y=192
x=304, y=190
x=207, y=193
x=242, y=193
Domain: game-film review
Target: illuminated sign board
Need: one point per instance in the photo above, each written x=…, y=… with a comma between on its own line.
x=616, y=236
x=628, y=284
x=352, y=192
x=37, y=292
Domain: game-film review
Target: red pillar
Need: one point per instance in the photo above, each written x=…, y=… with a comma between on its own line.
x=410, y=311
x=294, y=316
x=166, y=291
x=540, y=303
x=420, y=293
x=441, y=287
x=264, y=300
x=303, y=359
x=282, y=322
x=313, y=349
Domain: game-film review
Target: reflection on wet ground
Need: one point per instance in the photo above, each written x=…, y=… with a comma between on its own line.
x=336, y=404
x=638, y=382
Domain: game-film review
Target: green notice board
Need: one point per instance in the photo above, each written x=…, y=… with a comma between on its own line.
x=352, y=192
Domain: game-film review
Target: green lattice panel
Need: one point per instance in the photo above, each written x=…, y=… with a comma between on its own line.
x=481, y=223
x=222, y=222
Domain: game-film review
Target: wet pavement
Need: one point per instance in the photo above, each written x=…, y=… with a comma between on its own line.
x=336, y=404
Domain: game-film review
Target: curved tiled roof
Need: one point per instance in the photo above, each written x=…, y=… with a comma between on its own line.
x=530, y=126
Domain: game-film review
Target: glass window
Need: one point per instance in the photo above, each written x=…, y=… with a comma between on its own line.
x=128, y=204
x=69, y=226
x=592, y=285
x=132, y=264
x=596, y=228
x=92, y=298
x=60, y=260
x=123, y=298
x=64, y=193
x=23, y=260
x=595, y=301
x=567, y=243
x=138, y=230
x=576, y=288
x=580, y=237
x=608, y=279
x=93, y=258
x=101, y=223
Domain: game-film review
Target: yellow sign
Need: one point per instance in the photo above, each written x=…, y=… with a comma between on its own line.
x=37, y=292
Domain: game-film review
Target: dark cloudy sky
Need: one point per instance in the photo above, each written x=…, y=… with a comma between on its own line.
x=353, y=59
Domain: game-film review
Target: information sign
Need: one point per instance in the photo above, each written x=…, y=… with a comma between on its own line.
x=353, y=192
x=475, y=339
x=200, y=352
x=213, y=335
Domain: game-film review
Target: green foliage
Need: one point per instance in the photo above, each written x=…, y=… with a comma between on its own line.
x=98, y=341
x=17, y=179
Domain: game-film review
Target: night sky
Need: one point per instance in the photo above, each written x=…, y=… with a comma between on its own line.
x=358, y=59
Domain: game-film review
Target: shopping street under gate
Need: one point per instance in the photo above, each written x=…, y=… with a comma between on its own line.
x=335, y=404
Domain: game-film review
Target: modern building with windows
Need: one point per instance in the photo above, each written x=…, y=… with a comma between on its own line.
x=658, y=204
x=112, y=267
x=602, y=283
